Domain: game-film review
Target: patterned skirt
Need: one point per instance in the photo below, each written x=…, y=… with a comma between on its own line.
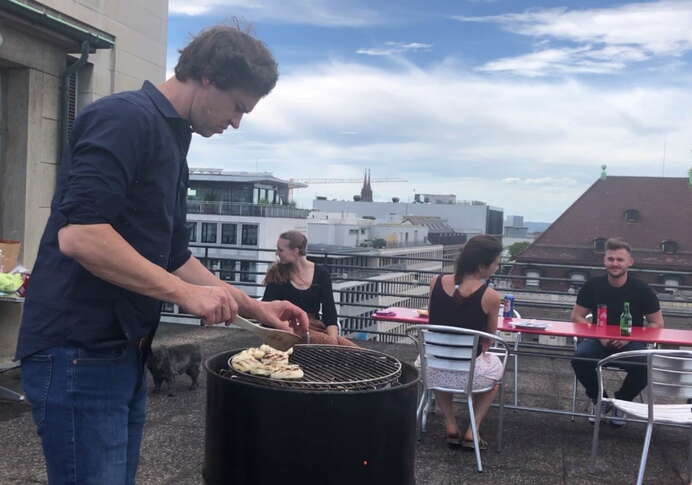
x=487, y=373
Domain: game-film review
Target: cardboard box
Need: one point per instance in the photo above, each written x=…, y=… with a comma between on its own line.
x=10, y=251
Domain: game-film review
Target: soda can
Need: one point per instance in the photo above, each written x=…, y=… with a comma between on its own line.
x=508, y=306
x=25, y=285
x=602, y=315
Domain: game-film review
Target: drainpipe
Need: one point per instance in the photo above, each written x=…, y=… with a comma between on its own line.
x=64, y=138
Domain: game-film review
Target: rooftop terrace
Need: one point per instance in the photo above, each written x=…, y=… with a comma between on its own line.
x=538, y=448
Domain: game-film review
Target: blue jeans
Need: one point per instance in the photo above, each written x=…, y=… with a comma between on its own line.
x=585, y=370
x=88, y=407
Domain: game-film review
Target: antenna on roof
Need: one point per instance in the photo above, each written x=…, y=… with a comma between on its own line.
x=663, y=162
x=604, y=175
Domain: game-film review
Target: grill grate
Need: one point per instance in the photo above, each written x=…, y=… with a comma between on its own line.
x=332, y=368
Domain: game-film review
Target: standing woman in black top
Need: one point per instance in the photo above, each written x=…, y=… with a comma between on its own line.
x=464, y=300
x=306, y=285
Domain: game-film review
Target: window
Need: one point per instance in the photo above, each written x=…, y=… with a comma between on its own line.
x=669, y=247
x=249, y=236
x=228, y=234
x=247, y=270
x=168, y=307
x=599, y=244
x=632, y=215
x=213, y=264
x=227, y=270
x=533, y=278
x=209, y=232
x=191, y=231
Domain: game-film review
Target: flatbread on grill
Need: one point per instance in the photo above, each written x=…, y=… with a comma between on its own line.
x=266, y=361
x=288, y=371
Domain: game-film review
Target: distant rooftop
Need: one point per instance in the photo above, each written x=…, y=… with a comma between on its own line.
x=221, y=175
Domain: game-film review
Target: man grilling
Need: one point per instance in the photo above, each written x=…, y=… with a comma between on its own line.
x=115, y=246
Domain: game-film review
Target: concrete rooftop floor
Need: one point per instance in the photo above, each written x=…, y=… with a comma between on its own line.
x=538, y=448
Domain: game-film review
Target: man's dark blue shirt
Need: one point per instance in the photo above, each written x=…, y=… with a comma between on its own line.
x=126, y=166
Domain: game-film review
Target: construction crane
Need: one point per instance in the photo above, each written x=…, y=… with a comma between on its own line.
x=342, y=181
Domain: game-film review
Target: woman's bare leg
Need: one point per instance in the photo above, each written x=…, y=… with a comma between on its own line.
x=446, y=407
x=481, y=404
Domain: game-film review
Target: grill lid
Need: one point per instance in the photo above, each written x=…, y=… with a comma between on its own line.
x=332, y=368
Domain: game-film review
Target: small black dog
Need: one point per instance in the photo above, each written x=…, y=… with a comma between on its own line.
x=165, y=363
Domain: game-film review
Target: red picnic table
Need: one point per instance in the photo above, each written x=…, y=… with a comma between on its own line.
x=665, y=336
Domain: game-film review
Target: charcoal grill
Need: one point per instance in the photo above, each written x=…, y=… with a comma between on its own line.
x=350, y=419
x=332, y=368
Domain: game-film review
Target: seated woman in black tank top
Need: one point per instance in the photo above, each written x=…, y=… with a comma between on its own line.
x=464, y=300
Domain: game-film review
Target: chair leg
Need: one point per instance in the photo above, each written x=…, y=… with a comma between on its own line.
x=596, y=430
x=645, y=454
x=500, y=417
x=420, y=412
x=426, y=409
x=574, y=397
x=689, y=459
x=474, y=430
x=516, y=370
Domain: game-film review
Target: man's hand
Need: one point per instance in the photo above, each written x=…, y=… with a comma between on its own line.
x=214, y=304
x=618, y=344
x=283, y=315
x=605, y=342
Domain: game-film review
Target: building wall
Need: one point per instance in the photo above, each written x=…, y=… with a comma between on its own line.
x=462, y=217
x=31, y=63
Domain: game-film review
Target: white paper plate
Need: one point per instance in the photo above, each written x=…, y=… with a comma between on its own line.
x=530, y=325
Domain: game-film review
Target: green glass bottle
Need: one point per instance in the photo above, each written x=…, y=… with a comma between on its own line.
x=626, y=321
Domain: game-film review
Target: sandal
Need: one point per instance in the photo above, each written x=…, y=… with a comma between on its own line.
x=468, y=444
x=453, y=440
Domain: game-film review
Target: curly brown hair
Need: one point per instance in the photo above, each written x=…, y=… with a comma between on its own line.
x=229, y=58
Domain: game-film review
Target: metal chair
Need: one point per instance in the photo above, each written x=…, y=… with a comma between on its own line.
x=670, y=376
x=454, y=349
x=575, y=341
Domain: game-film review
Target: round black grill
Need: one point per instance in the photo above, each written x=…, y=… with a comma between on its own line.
x=332, y=368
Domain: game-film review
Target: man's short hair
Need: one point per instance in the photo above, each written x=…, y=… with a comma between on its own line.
x=229, y=58
x=615, y=243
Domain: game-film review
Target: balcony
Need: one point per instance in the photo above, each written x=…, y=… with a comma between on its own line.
x=245, y=209
x=538, y=449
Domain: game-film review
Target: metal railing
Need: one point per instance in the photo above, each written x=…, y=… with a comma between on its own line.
x=359, y=290
x=245, y=209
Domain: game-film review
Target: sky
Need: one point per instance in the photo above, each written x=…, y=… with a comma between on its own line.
x=514, y=103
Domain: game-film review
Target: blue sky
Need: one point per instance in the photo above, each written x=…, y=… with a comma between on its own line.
x=516, y=103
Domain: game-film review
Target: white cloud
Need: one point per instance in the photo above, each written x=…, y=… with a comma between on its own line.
x=508, y=143
x=310, y=12
x=395, y=48
x=608, y=39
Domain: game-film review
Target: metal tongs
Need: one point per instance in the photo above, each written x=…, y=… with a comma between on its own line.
x=279, y=339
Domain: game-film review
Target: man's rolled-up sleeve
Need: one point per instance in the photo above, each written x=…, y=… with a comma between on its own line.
x=110, y=140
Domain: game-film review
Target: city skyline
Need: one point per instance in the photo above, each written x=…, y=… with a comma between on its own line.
x=515, y=103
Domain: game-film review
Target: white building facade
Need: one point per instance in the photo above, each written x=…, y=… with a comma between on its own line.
x=467, y=217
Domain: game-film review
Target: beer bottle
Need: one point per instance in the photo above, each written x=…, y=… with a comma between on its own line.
x=626, y=321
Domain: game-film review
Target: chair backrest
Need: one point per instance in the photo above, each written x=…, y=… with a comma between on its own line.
x=670, y=374
x=452, y=348
x=449, y=351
